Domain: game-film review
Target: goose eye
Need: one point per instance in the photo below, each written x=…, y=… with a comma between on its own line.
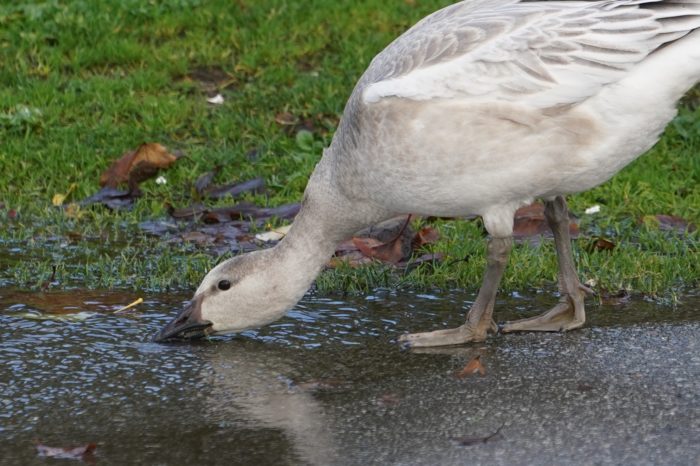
x=224, y=285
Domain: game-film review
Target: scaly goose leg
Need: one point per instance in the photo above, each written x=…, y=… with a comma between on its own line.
x=569, y=314
x=479, y=320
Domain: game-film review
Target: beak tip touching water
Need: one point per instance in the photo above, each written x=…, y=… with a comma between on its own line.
x=188, y=325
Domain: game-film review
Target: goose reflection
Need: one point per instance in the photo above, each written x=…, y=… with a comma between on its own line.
x=254, y=381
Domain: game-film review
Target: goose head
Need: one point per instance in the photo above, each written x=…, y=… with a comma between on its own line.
x=241, y=293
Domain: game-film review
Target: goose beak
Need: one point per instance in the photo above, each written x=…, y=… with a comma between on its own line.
x=188, y=325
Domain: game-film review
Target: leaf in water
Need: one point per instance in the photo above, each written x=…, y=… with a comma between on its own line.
x=137, y=166
x=82, y=453
x=469, y=441
x=389, y=400
x=472, y=368
x=620, y=298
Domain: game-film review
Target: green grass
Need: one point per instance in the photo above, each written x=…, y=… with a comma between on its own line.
x=81, y=82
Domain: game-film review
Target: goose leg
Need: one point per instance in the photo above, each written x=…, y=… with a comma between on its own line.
x=569, y=313
x=480, y=317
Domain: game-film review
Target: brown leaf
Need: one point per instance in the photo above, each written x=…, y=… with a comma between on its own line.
x=424, y=236
x=392, y=252
x=472, y=368
x=137, y=166
x=602, y=244
x=82, y=453
x=286, y=119
x=530, y=222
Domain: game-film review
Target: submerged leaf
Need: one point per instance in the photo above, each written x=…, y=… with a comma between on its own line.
x=472, y=368
x=469, y=441
x=82, y=453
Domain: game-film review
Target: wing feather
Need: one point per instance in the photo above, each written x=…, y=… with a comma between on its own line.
x=545, y=54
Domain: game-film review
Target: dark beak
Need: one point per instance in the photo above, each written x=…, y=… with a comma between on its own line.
x=188, y=325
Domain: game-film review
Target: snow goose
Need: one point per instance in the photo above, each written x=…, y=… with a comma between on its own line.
x=478, y=109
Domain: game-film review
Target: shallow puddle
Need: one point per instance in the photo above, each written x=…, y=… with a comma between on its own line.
x=327, y=385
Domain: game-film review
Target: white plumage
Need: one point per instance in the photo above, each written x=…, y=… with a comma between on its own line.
x=478, y=109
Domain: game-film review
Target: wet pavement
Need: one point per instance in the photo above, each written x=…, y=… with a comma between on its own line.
x=327, y=385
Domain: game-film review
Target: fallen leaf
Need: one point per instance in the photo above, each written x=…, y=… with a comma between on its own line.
x=81, y=453
x=256, y=185
x=59, y=198
x=243, y=210
x=197, y=237
x=389, y=241
x=601, y=244
x=620, y=298
x=112, y=198
x=72, y=210
x=472, y=368
x=286, y=119
x=469, y=441
x=389, y=400
x=202, y=184
x=273, y=235
x=392, y=252
x=137, y=166
x=669, y=223
x=425, y=236
x=530, y=222
x=211, y=79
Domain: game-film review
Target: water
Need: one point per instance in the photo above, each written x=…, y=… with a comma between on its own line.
x=327, y=385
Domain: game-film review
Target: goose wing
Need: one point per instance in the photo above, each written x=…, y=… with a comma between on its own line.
x=539, y=53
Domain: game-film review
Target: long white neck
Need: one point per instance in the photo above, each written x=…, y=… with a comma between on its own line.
x=326, y=218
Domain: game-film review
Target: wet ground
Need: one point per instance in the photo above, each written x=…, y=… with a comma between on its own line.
x=327, y=385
